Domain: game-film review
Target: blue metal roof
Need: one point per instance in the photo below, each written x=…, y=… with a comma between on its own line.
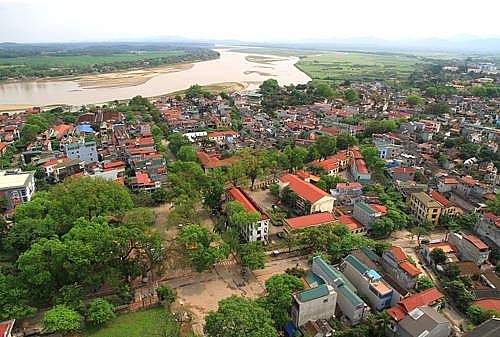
x=85, y=128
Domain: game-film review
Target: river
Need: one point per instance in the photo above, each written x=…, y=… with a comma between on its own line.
x=230, y=67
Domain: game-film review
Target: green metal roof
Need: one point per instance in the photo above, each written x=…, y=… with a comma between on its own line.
x=351, y=296
x=365, y=207
x=313, y=293
x=370, y=253
x=358, y=265
x=312, y=278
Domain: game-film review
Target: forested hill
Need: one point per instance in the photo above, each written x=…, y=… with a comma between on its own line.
x=18, y=61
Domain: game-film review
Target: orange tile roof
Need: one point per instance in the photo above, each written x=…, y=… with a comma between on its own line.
x=311, y=220
x=488, y=303
x=445, y=246
x=440, y=198
x=379, y=208
x=2, y=146
x=354, y=185
x=237, y=195
x=398, y=253
x=361, y=166
x=468, y=180
x=350, y=222
x=450, y=181
x=223, y=134
x=404, y=169
x=213, y=161
x=410, y=269
x=56, y=161
x=493, y=218
x=142, y=178
x=426, y=297
x=304, y=189
x=113, y=164
x=476, y=241
x=396, y=312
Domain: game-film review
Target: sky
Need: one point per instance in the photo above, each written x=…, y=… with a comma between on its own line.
x=247, y=20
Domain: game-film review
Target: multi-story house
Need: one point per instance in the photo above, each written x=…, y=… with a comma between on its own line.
x=369, y=283
x=16, y=187
x=470, y=248
x=334, y=164
x=446, y=184
x=351, y=305
x=449, y=208
x=449, y=249
x=313, y=304
x=311, y=199
x=82, y=150
x=258, y=231
x=488, y=228
x=359, y=170
x=347, y=193
x=402, y=173
x=395, y=263
x=367, y=214
x=424, y=207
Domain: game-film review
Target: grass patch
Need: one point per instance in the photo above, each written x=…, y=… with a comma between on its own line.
x=359, y=66
x=154, y=322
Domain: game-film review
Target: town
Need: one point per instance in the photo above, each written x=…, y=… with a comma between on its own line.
x=356, y=210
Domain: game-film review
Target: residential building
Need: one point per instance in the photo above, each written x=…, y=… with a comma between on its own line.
x=395, y=263
x=223, y=136
x=428, y=297
x=446, y=184
x=67, y=168
x=6, y=328
x=449, y=208
x=347, y=193
x=258, y=231
x=367, y=214
x=424, y=207
x=423, y=321
x=369, y=283
x=488, y=228
x=359, y=170
x=313, y=304
x=490, y=328
x=82, y=150
x=351, y=305
x=311, y=199
x=449, y=249
x=402, y=173
x=16, y=187
x=470, y=248
x=310, y=220
x=352, y=224
x=142, y=182
x=334, y=164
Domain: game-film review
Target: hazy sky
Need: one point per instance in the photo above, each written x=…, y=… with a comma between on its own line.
x=250, y=20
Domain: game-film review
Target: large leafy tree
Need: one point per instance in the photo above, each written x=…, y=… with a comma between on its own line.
x=237, y=317
x=213, y=189
x=13, y=298
x=203, y=247
x=278, y=300
x=252, y=255
x=494, y=205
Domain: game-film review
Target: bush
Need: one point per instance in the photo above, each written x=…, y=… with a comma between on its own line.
x=166, y=294
x=61, y=319
x=99, y=312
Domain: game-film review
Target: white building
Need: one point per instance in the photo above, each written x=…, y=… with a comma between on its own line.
x=82, y=150
x=16, y=187
x=313, y=304
x=470, y=248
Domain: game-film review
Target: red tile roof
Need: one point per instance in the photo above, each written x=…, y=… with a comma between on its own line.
x=398, y=253
x=213, y=161
x=410, y=269
x=361, y=166
x=396, y=312
x=6, y=328
x=440, y=198
x=493, y=218
x=142, y=178
x=56, y=161
x=304, y=189
x=350, y=222
x=476, y=241
x=488, y=303
x=426, y=297
x=223, y=134
x=145, y=141
x=113, y=164
x=311, y=220
x=354, y=185
x=468, y=180
x=404, y=169
x=379, y=208
x=450, y=181
x=2, y=146
x=237, y=195
x=445, y=246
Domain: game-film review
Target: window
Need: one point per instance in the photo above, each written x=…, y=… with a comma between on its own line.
x=325, y=300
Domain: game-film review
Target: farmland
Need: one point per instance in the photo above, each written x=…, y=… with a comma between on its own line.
x=359, y=66
x=40, y=61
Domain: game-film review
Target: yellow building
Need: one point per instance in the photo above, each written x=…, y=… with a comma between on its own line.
x=424, y=207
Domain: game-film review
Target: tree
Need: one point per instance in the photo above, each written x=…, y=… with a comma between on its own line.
x=328, y=182
x=71, y=296
x=240, y=218
x=424, y=283
x=414, y=100
x=203, y=247
x=13, y=298
x=352, y=96
x=383, y=226
x=61, y=319
x=478, y=315
x=278, y=300
x=494, y=205
x=438, y=256
x=186, y=153
x=372, y=159
x=252, y=255
x=237, y=317
x=166, y=294
x=451, y=271
x=176, y=141
x=423, y=229
x=213, y=189
x=459, y=293
x=326, y=146
x=140, y=217
x=99, y=312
